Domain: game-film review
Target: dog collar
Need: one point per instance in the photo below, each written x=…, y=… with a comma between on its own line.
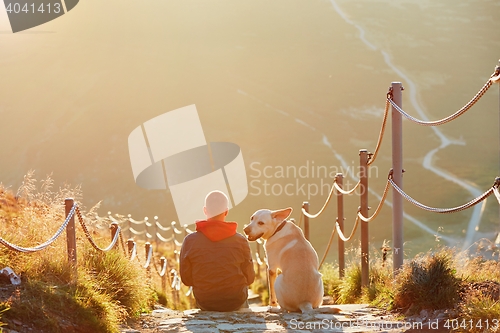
x=279, y=228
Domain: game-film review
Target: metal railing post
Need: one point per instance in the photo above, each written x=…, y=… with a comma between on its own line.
x=163, y=262
x=147, y=248
x=130, y=247
x=363, y=177
x=497, y=69
x=71, y=234
x=114, y=230
x=156, y=231
x=257, y=251
x=129, y=224
x=339, y=179
x=305, y=206
x=397, y=167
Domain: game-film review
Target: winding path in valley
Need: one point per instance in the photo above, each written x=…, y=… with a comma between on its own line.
x=445, y=141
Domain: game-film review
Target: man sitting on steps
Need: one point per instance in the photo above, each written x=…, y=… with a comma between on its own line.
x=216, y=260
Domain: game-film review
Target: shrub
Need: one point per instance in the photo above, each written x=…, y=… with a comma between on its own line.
x=428, y=282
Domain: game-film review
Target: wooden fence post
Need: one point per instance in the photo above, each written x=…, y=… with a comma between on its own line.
x=340, y=219
x=397, y=176
x=257, y=247
x=71, y=235
x=163, y=262
x=130, y=247
x=129, y=224
x=114, y=230
x=363, y=177
x=305, y=206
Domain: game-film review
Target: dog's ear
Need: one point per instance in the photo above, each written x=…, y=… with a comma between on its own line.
x=281, y=214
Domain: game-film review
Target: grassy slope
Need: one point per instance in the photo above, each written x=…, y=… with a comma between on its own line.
x=108, y=287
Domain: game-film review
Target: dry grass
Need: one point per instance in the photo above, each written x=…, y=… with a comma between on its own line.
x=444, y=279
x=427, y=282
x=108, y=287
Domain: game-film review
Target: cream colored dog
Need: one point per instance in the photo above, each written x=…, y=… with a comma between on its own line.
x=299, y=286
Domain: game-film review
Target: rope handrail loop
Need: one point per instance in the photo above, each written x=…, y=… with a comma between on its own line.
x=372, y=157
x=187, y=230
x=176, y=280
x=149, y=255
x=465, y=108
x=163, y=262
x=133, y=255
x=163, y=239
x=131, y=220
x=334, y=186
x=313, y=216
x=174, y=229
x=380, y=205
x=327, y=248
x=164, y=267
x=137, y=233
x=45, y=244
x=349, y=192
x=162, y=228
x=91, y=240
x=112, y=219
x=341, y=234
x=467, y=205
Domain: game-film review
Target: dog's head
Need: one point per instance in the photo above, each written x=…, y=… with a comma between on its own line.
x=264, y=223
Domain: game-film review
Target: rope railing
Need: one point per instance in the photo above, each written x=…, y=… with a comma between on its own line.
x=380, y=205
x=341, y=233
x=89, y=236
x=493, y=78
x=129, y=251
x=149, y=254
x=495, y=188
x=163, y=239
x=391, y=101
x=162, y=228
x=137, y=233
x=330, y=195
x=467, y=205
x=327, y=247
x=122, y=224
x=44, y=245
x=373, y=156
x=174, y=228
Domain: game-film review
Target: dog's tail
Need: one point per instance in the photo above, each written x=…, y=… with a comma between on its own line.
x=307, y=308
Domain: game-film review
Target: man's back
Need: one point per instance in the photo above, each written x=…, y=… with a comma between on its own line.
x=218, y=266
